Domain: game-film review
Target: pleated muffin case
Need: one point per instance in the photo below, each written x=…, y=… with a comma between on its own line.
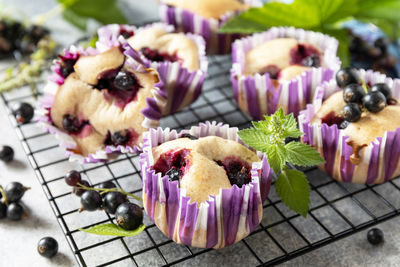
x=380, y=160
x=152, y=112
x=181, y=85
x=220, y=221
x=257, y=95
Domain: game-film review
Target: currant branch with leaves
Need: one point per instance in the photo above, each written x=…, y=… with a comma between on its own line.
x=269, y=136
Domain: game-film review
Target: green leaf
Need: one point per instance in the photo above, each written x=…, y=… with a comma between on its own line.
x=382, y=9
x=113, y=229
x=292, y=187
x=307, y=14
x=302, y=154
x=255, y=139
x=290, y=127
x=104, y=11
x=276, y=157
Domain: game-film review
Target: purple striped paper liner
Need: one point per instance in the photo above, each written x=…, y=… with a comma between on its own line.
x=152, y=113
x=257, y=95
x=182, y=86
x=380, y=160
x=187, y=21
x=220, y=221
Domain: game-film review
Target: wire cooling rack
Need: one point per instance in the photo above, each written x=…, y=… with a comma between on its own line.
x=337, y=209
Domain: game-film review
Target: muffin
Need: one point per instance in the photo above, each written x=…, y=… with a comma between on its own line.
x=281, y=68
x=179, y=58
x=359, y=145
x=205, y=17
x=98, y=104
x=201, y=186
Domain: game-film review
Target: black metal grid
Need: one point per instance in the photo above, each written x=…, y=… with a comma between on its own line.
x=337, y=209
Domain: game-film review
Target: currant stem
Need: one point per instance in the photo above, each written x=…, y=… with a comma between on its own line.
x=3, y=193
x=364, y=86
x=108, y=190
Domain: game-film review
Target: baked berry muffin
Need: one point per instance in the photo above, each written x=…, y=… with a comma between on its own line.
x=352, y=122
x=202, y=187
x=205, y=17
x=179, y=58
x=281, y=68
x=100, y=104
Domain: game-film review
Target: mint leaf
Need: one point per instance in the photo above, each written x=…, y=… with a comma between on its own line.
x=307, y=14
x=276, y=157
x=292, y=187
x=254, y=138
x=113, y=229
x=290, y=127
x=302, y=155
x=104, y=11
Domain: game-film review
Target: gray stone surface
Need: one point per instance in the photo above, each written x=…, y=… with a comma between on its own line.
x=18, y=240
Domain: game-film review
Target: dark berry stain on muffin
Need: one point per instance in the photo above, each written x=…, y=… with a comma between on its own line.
x=73, y=125
x=172, y=162
x=157, y=56
x=67, y=64
x=125, y=32
x=306, y=55
x=332, y=118
x=272, y=70
x=238, y=170
x=120, y=85
x=121, y=138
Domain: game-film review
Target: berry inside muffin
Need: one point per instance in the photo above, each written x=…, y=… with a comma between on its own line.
x=203, y=166
x=282, y=58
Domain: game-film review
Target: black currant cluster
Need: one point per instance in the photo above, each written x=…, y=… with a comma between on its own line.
x=128, y=215
x=375, y=56
x=10, y=206
x=358, y=97
x=23, y=112
x=14, y=36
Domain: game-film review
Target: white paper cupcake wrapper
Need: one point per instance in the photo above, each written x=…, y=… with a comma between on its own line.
x=186, y=21
x=380, y=160
x=256, y=94
x=222, y=220
x=182, y=86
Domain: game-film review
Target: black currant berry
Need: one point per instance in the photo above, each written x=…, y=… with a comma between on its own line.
x=112, y=200
x=383, y=88
x=123, y=81
x=353, y=93
x=47, y=247
x=23, y=112
x=77, y=190
x=120, y=138
x=382, y=44
x=3, y=210
x=174, y=174
x=15, y=211
x=14, y=191
x=186, y=135
x=351, y=112
x=375, y=236
x=6, y=153
x=347, y=76
x=72, y=178
x=312, y=61
x=374, y=101
x=129, y=216
x=107, y=185
x=71, y=124
x=91, y=200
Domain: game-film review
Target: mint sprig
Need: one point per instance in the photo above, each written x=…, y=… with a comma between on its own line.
x=269, y=136
x=113, y=230
x=319, y=15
